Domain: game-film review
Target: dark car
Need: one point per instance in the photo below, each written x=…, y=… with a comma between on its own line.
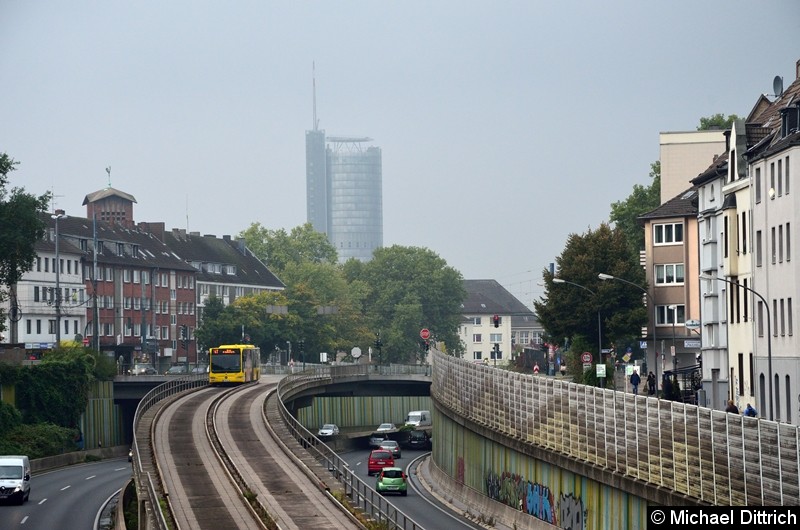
x=419, y=440
x=143, y=369
x=178, y=369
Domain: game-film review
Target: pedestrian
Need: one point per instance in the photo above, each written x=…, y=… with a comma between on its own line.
x=732, y=408
x=750, y=411
x=635, y=380
x=651, y=384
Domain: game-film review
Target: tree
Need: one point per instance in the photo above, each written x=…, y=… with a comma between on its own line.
x=625, y=214
x=410, y=288
x=717, y=121
x=21, y=226
x=277, y=249
x=568, y=311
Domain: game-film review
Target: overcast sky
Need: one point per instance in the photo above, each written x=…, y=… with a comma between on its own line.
x=505, y=126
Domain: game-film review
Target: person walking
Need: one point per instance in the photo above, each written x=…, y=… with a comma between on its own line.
x=651, y=384
x=732, y=408
x=750, y=411
x=635, y=380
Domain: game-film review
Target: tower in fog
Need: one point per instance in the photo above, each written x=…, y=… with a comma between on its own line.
x=344, y=191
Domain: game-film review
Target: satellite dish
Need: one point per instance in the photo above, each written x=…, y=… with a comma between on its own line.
x=777, y=85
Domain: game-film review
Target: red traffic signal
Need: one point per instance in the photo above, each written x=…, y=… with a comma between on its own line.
x=496, y=321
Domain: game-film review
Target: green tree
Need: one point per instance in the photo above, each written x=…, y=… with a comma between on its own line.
x=411, y=288
x=568, y=311
x=717, y=121
x=625, y=214
x=21, y=226
x=54, y=392
x=99, y=367
x=277, y=248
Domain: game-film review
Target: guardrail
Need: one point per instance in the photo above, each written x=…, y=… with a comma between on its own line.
x=718, y=458
x=363, y=497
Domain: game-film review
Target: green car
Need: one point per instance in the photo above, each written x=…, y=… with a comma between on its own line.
x=392, y=480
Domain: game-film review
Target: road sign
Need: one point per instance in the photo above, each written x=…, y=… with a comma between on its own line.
x=692, y=324
x=86, y=342
x=586, y=357
x=601, y=370
x=355, y=352
x=424, y=334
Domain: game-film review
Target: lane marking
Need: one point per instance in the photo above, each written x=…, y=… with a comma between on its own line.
x=23, y=520
x=43, y=501
x=90, y=477
x=65, y=488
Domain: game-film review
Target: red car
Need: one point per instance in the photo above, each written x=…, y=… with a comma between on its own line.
x=379, y=459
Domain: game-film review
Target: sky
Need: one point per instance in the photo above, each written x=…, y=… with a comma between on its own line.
x=504, y=126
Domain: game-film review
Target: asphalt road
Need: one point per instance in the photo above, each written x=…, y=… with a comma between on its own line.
x=70, y=498
x=418, y=504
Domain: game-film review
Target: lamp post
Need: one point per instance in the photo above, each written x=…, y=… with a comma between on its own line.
x=606, y=277
x=674, y=352
x=599, y=334
x=58, y=215
x=769, y=331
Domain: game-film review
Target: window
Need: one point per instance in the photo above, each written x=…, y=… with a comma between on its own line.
x=783, y=319
x=477, y=338
x=126, y=276
x=477, y=355
x=787, y=176
x=173, y=294
x=35, y=293
x=758, y=185
x=38, y=264
x=671, y=273
x=744, y=232
x=790, y=323
x=774, y=315
x=774, y=249
x=495, y=337
x=668, y=234
x=28, y=324
x=667, y=316
x=758, y=249
x=164, y=280
x=127, y=302
x=136, y=276
x=109, y=274
x=772, y=180
x=38, y=326
x=51, y=327
x=780, y=244
x=120, y=249
x=476, y=321
x=164, y=332
x=136, y=303
x=173, y=319
x=788, y=242
x=145, y=277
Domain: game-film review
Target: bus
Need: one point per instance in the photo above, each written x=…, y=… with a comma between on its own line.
x=234, y=364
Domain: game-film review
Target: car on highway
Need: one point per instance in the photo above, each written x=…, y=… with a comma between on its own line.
x=379, y=459
x=142, y=369
x=199, y=369
x=391, y=480
x=178, y=369
x=329, y=429
x=376, y=439
x=419, y=440
x=391, y=446
x=386, y=427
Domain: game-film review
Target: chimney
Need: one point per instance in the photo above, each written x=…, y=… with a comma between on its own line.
x=797, y=68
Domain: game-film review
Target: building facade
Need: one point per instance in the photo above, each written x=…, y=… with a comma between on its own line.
x=344, y=193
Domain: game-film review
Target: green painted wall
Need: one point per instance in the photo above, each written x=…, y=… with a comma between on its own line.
x=545, y=491
x=360, y=411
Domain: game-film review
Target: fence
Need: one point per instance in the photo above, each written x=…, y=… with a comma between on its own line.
x=719, y=458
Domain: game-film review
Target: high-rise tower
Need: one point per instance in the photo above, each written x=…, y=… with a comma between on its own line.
x=344, y=191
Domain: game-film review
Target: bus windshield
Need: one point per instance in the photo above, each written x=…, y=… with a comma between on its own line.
x=221, y=363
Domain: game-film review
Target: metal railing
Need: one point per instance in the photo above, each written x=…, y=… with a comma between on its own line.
x=719, y=458
x=363, y=497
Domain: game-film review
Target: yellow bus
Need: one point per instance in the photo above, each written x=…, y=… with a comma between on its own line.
x=234, y=364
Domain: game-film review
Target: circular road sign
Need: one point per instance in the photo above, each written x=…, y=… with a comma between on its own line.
x=586, y=357
x=356, y=352
x=424, y=334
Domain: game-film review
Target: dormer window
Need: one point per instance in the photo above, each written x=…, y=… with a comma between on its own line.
x=790, y=120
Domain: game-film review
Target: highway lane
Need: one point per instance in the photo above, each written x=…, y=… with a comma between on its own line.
x=418, y=504
x=68, y=498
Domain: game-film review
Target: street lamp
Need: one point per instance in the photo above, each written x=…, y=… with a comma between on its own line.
x=599, y=335
x=606, y=277
x=769, y=331
x=58, y=215
x=674, y=352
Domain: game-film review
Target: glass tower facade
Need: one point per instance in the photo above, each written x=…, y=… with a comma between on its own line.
x=345, y=193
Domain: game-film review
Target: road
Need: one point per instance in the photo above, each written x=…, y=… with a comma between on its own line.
x=418, y=504
x=69, y=498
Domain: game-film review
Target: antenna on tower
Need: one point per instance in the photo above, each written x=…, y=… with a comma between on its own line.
x=314, y=90
x=108, y=170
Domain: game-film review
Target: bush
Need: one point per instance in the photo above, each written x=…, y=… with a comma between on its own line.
x=10, y=418
x=39, y=440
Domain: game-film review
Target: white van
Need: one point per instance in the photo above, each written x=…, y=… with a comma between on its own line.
x=15, y=478
x=419, y=418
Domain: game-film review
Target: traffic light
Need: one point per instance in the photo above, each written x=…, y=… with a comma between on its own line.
x=427, y=345
x=496, y=321
x=184, y=337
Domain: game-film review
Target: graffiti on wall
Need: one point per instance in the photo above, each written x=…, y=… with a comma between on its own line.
x=536, y=499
